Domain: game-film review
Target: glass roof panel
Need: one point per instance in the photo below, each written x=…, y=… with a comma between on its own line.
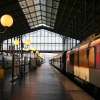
x=36, y=2
x=29, y=2
x=52, y=21
x=43, y=8
x=38, y=13
x=44, y=22
x=43, y=13
x=53, y=16
x=48, y=23
x=34, y=19
x=43, y=2
x=26, y=11
x=31, y=24
x=33, y=15
x=54, y=11
x=49, y=19
x=52, y=24
x=48, y=9
x=29, y=20
x=23, y=4
x=40, y=21
x=28, y=16
x=37, y=7
x=48, y=15
x=49, y=2
x=35, y=23
x=43, y=18
x=39, y=18
x=31, y=9
x=55, y=4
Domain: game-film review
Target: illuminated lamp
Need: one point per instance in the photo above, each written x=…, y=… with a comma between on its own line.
x=16, y=42
x=6, y=20
x=27, y=42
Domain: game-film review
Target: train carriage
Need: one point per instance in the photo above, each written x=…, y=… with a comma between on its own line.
x=57, y=61
x=82, y=63
x=86, y=65
x=94, y=63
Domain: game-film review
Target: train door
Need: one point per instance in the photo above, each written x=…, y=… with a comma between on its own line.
x=98, y=57
x=97, y=67
x=76, y=62
x=72, y=62
x=64, y=62
x=67, y=60
x=94, y=65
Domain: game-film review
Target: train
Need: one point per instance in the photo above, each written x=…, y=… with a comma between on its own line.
x=82, y=64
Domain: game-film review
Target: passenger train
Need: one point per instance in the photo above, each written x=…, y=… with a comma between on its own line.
x=82, y=64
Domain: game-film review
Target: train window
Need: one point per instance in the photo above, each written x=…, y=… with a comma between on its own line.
x=98, y=56
x=83, y=60
x=91, y=57
x=72, y=58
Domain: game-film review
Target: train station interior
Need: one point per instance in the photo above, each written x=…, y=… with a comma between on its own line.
x=49, y=50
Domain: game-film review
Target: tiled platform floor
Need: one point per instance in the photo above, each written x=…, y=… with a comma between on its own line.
x=45, y=83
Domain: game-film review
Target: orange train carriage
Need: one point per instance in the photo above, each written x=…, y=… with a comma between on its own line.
x=82, y=64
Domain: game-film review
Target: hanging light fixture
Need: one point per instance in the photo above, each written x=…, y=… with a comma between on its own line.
x=16, y=42
x=27, y=42
x=6, y=20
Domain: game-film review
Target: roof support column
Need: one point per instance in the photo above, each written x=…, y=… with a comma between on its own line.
x=64, y=44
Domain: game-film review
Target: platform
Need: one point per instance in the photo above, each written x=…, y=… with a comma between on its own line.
x=44, y=83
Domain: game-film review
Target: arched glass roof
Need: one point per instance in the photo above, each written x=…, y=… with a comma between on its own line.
x=40, y=12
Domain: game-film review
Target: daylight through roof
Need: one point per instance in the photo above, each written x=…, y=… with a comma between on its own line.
x=40, y=12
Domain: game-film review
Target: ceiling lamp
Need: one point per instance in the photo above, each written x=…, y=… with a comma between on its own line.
x=6, y=20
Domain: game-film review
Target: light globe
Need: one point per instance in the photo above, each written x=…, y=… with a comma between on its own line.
x=16, y=42
x=6, y=20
